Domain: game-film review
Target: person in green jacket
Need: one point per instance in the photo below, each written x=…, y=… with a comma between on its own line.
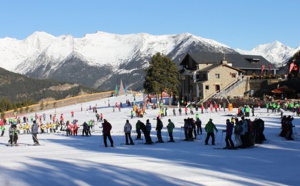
x=170, y=127
x=209, y=128
x=3, y=130
x=90, y=124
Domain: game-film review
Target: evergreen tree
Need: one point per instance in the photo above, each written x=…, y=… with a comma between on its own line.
x=2, y=114
x=42, y=105
x=5, y=104
x=161, y=75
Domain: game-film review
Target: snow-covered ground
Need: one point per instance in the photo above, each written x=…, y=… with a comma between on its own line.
x=77, y=160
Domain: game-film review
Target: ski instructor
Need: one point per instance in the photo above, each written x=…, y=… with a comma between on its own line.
x=34, y=130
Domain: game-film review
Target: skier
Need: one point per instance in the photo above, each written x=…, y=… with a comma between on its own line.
x=106, y=133
x=180, y=111
x=127, y=131
x=159, y=126
x=190, y=129
x=97, y=116
x=198, y=125
x=13, y=135
x=148, y=126
x=197, y=116
x=101, y=117
x=138, y=130
x=75, y=128
x=34, y=131
x=209, y=128
x=85, y=129
x=146, y=132
x=289, y=135
x=2, y=130
x=170, y=127
x=244, y=133
x=131, y=114
x=237, y=131
x=228, y=140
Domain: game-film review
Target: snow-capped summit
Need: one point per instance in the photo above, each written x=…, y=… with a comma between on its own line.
x=276, y=52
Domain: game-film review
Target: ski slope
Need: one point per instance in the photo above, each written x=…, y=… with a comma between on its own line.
x=78, y=160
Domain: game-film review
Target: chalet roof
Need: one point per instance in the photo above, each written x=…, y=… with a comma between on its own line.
x=206, y=69
x=237, y=60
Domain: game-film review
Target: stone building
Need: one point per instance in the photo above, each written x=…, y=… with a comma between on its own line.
x=207, y=75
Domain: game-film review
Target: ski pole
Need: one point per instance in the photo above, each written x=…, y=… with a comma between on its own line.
x=35, y=138
x=101, y=136
x=180, y=133
x=221, y=138
x=123, y=140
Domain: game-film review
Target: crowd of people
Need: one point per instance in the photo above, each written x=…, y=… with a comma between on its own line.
x=246, y=132
x=280, y=106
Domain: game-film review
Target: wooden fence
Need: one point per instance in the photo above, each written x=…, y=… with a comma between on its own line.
x=45, y=105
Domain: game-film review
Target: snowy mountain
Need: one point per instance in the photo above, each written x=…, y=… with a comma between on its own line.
x=276, y=52
x=97, y=60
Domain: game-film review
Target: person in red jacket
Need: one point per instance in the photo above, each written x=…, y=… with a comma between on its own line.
x=75, y=128
x=106, y=133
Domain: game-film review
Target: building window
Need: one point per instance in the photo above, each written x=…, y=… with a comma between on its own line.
x=206, y=87
x=233, y=75
x=217, y=76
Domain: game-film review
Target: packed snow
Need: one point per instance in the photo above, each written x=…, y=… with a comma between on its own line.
x=78, y=160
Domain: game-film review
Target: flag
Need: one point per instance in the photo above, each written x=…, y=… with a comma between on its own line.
x=121, y=89
x=269, y=68
x=117, y=90
x=125, y=89
x=291, y=66
x=262, y=69
x=295, y=67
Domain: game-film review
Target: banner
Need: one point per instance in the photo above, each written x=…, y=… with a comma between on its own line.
x=291, y=66
x=269, y=68
x=262, y=69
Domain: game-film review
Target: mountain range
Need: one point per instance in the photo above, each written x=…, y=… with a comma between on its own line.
x=101, y=60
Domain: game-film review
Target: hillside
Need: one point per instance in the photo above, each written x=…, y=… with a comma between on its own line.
x=18, y=87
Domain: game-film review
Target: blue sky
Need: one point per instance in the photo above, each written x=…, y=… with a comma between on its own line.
x=240, y=24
